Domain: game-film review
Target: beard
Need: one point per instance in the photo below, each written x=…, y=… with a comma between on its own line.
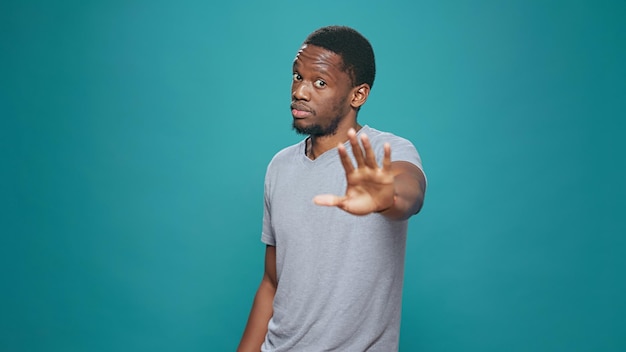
x=318, y=130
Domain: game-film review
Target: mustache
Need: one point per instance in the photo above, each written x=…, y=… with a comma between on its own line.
x=301, y=107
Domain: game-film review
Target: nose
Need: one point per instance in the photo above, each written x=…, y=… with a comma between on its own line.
x=300, y=91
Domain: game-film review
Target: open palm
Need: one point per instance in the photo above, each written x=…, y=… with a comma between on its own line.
x=370, y=188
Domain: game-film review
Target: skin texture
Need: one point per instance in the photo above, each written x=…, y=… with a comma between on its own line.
x=319, y=92
x=325, y=106
x=262, y=310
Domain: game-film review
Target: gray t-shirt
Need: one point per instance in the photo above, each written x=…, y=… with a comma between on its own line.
x=339, y=275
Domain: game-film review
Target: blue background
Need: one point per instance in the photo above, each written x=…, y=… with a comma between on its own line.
x=135, y=135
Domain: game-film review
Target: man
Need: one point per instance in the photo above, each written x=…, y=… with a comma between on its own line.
x=335, y=221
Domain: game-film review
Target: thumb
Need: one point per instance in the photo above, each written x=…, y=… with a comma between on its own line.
x=328, y=200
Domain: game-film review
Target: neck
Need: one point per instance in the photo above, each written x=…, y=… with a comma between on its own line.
x=318, y=145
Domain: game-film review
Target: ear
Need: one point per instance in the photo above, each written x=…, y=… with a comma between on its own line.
x=359, y=95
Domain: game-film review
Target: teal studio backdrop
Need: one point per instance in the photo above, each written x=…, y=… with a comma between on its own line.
x=135, y=136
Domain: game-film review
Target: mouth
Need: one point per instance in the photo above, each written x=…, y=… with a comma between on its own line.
x=300, y=111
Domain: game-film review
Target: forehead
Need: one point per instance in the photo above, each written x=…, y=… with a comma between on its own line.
x=317, y=58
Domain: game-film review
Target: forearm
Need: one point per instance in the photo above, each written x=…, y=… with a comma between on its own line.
x=260, y=314
x=409, y=188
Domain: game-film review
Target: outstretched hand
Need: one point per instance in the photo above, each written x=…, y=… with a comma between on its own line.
x=370, y=188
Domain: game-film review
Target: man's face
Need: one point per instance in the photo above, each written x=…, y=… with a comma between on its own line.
x=320, y=91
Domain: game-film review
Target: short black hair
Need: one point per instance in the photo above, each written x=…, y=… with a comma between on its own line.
x=355, y=50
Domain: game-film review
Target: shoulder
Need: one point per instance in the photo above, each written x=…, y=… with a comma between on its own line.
x=379, y=138
x=402, y=149
x=286, y=155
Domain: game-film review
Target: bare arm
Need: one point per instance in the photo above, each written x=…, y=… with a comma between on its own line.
x=395, y=190
x=409, y=188
x=261, y=312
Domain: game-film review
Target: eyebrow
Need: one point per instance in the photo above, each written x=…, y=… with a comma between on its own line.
x=317, y=70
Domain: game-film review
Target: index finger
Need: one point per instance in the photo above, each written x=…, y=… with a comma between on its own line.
x=387, y=157
x=356, y=148
x=345, y=159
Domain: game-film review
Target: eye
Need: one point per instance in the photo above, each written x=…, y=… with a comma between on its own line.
x=296, y=76
x=320, y=83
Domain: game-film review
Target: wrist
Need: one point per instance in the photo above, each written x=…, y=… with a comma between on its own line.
x=393, y=203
